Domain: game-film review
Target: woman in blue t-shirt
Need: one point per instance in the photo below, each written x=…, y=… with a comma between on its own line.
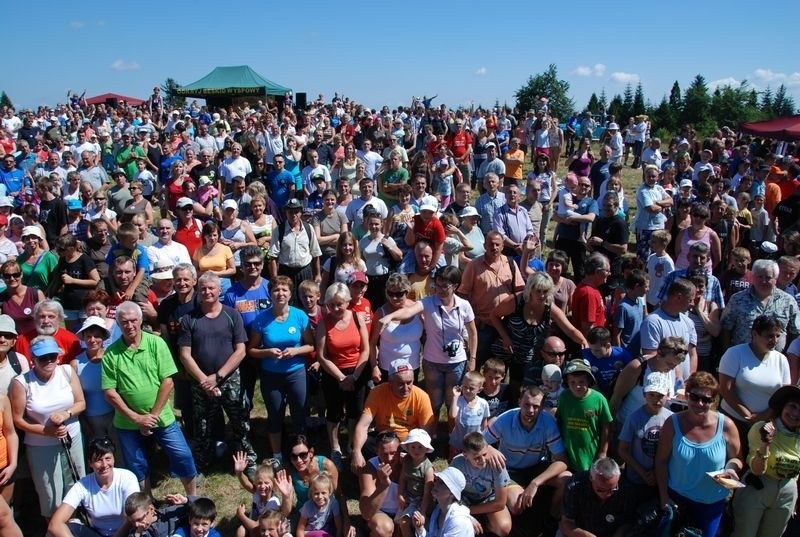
x=280, y=338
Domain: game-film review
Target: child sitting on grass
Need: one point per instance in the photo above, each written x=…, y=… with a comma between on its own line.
x=416, y=479
x=263, y=491
x=321, y=515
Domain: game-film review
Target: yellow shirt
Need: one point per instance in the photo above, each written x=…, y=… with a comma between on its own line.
x=784, y=451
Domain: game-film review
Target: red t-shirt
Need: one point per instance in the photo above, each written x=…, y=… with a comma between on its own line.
x=459, y=143
x=67, y=341
x=190, y=236
x=587, y=306
x=363, y=306
x=433, y=231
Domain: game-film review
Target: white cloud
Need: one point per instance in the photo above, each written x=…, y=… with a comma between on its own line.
x=77, y=24
x=624, y=78
x=122, y=65
x=481, y=71
x=599, y=69
x=768, y=76
x=722, y=82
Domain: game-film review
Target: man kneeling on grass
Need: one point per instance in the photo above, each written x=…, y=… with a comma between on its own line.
x=487, y=488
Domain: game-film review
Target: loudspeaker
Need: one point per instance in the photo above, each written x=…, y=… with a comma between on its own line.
x=113, y=102
x=300, y=100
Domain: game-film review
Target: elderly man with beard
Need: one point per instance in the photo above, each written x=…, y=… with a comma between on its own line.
x=49, y=316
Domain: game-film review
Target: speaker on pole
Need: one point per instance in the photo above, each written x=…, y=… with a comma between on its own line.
x=300, y=100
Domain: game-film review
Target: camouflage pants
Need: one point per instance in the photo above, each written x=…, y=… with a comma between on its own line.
x=231, y=399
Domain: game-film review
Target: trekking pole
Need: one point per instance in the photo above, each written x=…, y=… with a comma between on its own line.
x=66, y=443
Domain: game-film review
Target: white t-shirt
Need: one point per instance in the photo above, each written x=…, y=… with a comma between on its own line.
x=754, y=380
x=174, y=253
x=7, y=372
x=7, y=249
x=234, y=167
x=657, y=269
x=106, y=508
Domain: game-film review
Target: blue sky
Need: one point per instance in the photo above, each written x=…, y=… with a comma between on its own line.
x=379, y=52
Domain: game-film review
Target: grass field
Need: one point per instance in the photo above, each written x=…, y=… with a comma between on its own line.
x=222, y=486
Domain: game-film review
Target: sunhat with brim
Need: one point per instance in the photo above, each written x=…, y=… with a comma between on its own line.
x=454, y=480
x=578, y=366
x=421, y=436
x=782, y=396
x=95, y=321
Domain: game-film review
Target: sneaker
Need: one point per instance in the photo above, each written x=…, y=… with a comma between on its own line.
x=336, y=457
x=220, y=448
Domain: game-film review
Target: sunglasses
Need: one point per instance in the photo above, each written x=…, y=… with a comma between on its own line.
x=697, y=398
x=396, y=294
x=12, y=275
x=553, y=353
x=299, y=456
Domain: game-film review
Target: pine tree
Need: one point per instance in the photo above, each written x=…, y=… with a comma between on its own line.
x=594, y=104
x=675, y=99
x=638, y=101
x=697, y=104
x=766, y=101
x=616, y=106
x=171, y=99
x=603, y=98
x=627, y=104
x=4, y=100
x=782, y=104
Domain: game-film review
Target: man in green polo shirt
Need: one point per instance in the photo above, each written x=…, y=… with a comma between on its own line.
x=137, y=380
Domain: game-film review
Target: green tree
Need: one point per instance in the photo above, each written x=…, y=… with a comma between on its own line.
x=782, y=104
x=616, y=107
x=676, y=101
x=730, y=106
x=697, y=105
x=638, y=101
x=548, y=85
x=4, y=100
x=603, y=98
x=171, y=99
x=627, y=104
x=663, y=116
x=594, y=103
x=766, y=101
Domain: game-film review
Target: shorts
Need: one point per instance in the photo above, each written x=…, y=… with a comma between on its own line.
x=74, y=315
x=413, y=505
x=523, y=476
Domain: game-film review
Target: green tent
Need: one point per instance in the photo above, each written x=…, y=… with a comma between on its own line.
x=232, y=83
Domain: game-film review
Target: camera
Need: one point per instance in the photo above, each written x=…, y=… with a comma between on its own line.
x=452, y=348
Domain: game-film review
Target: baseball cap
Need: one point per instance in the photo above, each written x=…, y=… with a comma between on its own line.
x=358, y=276
x=427, y=207
x=45, y=346
x=7, y=325
x=454, y=480
x=468, y=211
x=32, y=230
x=162, y=270
x=421, y=436
x=184, y=202
x=656, y=382
x=399, y=365
x=74, y=204
x=229, y=204
x=686, y=182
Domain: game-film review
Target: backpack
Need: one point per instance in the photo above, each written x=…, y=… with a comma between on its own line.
x=282, y=232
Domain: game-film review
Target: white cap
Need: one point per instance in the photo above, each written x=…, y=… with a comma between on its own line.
x=229, y=204
x=421, y=436
x=428, y=207
x=204, y=180
x=6, y=201
x=32, y=230
x=551, y=372
x=656, y=382
x=184, y=201
x=685, y=182
x=468, y=211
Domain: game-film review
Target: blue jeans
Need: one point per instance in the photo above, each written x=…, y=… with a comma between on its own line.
x=280, y=389
x=440, y=379
x=172, y=441
x=704, y=516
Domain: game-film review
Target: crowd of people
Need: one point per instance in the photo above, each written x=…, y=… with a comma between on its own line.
x=368, y=269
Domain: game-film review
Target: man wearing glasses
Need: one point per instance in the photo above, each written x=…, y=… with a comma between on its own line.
x=595, y=504
x=249, y=296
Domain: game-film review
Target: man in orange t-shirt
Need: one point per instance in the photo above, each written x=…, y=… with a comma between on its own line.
x=396, y=405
